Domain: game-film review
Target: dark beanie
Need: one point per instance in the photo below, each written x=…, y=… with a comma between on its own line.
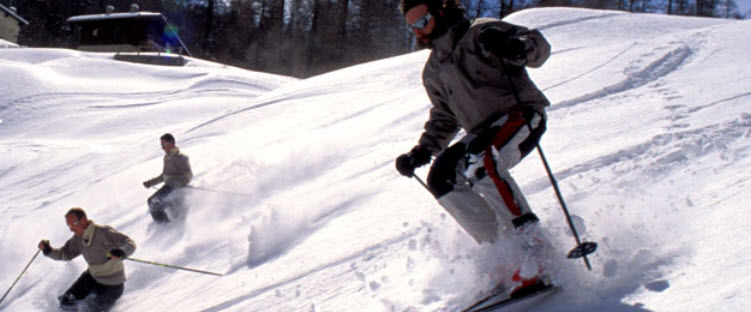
x=433, y=5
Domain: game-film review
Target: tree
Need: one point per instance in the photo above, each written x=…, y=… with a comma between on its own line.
x=705, y=8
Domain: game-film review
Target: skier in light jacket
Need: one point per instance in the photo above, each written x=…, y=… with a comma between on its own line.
x=103, y=249
x=176, y=173
x=476, y=80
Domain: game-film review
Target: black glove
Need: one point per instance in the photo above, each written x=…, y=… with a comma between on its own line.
x=44, y=245
x=146, y=184
x=442, y=175
x=514, y=49
x=504, y=44
x=406, y=163
x=117, y=253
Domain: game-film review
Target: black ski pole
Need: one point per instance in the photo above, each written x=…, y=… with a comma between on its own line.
x=19, y=276
x=582, y=249
x=422, y=183
x=172, y=266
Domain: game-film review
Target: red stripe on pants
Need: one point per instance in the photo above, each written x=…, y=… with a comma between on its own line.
x=514, y=122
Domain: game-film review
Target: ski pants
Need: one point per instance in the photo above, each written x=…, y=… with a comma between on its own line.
x=105, y=295
x=471, y=178
x=159, y=202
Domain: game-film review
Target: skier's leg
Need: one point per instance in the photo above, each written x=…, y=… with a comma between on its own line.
x=514, y=140
x=510, y=143
x=506, y=199
x=106, y=296
x=81, y=288
x=472, y=212
x=158, y=203
x=470, y=206
x=178, y=204
x=455, y=194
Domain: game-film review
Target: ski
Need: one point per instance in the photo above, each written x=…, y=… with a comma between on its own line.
x=498, y=300
x=494, y=294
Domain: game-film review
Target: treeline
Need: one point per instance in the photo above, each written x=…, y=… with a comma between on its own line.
x=304, y=37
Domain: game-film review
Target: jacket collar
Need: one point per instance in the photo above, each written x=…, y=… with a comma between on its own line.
x=174, y=151
x=88, y=233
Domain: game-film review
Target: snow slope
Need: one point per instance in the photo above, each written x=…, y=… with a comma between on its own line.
x=647, y=135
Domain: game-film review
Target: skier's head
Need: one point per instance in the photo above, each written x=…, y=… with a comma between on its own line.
x=167, y=141
x=433, y=5
x=76, y=220
x=429, y=19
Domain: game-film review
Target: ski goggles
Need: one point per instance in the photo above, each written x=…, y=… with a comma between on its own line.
x=421, y=22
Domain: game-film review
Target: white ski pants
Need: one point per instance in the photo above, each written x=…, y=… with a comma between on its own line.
x=485, y=198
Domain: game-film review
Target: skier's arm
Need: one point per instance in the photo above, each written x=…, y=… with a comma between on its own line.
x=188, y=171
x=441, y=127
x=537, y=47
x=120, y=241
x=69, y=251
x=184, y=168
x=515, y=44
x=154, y=181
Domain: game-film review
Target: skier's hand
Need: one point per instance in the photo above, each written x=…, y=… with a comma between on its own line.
x=442, y=176
x=406, y=163
x=514, y=49
x=146, y=184
x=44, y=245
x=504, y=44
x=118, y=254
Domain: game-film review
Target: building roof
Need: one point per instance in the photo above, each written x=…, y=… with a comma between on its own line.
x=13, y=14
x=99, y=17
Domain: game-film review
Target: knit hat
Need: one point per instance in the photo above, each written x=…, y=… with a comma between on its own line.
x=433, y=5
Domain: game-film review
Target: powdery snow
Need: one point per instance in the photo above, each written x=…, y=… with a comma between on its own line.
x=648, y=137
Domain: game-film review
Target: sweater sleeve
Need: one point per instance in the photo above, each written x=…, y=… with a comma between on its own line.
x=69, y=251
x=121, y=241
x=185, y=167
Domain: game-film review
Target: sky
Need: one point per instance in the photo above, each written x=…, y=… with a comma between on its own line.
x=297, y=203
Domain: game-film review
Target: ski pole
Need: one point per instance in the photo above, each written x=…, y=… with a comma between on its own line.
x=172, y=266
x=421, y=182
x=581, y=249
x=19, y=276
x=221, y=192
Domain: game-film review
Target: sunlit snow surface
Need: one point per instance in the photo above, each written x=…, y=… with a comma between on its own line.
x=648, y=136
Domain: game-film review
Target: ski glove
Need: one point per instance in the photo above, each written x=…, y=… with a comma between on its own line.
x=504, y=44
x=146, y=184
x=119, y=253
x=442, y=175
x=44, y=245
x=417, y=157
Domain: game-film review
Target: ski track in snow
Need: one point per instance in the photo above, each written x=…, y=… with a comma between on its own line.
x=548, y=27
x=263, y=102
x=660, y=154
x=196, y=89
x=595, y=68
x=661, y=67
